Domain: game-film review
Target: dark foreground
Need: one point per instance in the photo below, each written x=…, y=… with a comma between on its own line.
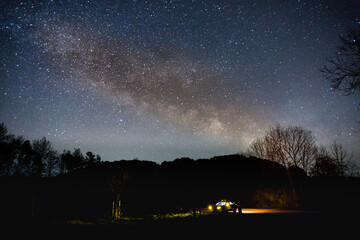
x=306, y=225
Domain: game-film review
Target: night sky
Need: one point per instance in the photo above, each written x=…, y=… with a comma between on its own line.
x=158, y=80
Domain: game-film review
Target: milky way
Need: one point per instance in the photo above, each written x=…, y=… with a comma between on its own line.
x=165, y=79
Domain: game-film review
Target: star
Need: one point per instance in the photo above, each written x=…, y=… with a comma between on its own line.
x=199, y=77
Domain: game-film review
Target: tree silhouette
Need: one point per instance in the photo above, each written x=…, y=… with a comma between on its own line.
x=344, y=70
x=25, y=159
x=98, y=158
x=325, y=166
x=91, y=158
x=65, y=161
x=335, y=154
x=20, y=157
x=46, y=157
x=289, y=146
x=78, y=159
x=116, y=186
x=70, y=161
x=341, y=156
x=353, y=169
x=3, y=132
x=9, y=151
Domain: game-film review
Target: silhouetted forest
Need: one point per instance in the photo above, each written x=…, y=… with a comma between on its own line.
x=20, y=157
x=85, y=187
x=142, y=188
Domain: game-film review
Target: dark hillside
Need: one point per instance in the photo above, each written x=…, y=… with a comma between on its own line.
x=139, y=188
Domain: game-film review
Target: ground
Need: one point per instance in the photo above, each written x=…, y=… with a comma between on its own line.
x=298, y=225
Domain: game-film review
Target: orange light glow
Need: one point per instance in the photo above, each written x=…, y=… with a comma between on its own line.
x=262, y=211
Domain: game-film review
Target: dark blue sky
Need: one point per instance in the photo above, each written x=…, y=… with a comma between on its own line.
x=164, y=79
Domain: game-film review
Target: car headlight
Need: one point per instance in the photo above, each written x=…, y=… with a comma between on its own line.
x=210, y=207
x=218, y=207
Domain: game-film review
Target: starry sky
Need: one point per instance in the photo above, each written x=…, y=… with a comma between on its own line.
x=158, y=80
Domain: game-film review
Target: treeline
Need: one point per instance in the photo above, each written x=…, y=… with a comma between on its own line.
x=20, y=157
x=296, y=146
x=142, y=188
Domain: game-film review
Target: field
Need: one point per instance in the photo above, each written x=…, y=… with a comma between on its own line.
x=305, y=225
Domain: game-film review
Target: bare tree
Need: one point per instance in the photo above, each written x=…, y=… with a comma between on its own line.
x=324, y=166
x=257, y=148
x=3, y=133
x=353, y=169
x=116, y=186
x=339, y=153
x=344, y=70
x=289, y=146
x=333, y=160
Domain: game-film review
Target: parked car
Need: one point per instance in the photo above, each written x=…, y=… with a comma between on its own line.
x=225, y=207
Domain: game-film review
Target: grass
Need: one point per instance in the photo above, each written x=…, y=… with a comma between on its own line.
x=132, y=220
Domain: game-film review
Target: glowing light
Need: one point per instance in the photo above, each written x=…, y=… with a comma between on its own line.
x=267, y=211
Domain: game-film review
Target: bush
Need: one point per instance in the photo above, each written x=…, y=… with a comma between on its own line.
x=274, y=198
